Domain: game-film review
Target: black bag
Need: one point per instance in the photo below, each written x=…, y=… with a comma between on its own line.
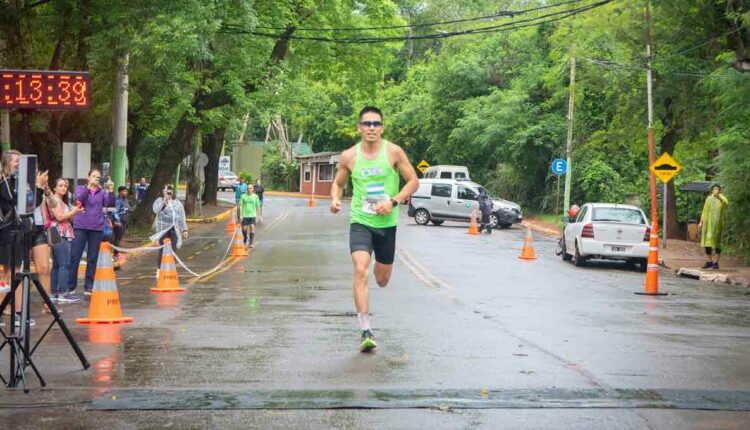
x=53, y=236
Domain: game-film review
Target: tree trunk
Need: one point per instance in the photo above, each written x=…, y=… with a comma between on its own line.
x=193, y=178
x=170, y=155
x=212, y=147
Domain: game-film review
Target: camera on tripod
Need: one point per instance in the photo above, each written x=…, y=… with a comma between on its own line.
x=26, y=185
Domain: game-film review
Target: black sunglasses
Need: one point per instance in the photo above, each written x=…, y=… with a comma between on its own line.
x=368, y=124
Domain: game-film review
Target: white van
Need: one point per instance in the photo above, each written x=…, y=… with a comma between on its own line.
x=445, y=171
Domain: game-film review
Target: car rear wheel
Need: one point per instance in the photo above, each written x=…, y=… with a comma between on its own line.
x=578, y=259
x=643, y=264
x=437, y=222
x=422, y=217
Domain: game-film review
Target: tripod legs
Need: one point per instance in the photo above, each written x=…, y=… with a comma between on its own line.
x=19, y=339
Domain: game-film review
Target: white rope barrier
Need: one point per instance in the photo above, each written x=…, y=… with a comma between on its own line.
x=139, y=249
x=218, y=266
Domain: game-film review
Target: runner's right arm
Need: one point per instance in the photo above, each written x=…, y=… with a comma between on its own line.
x=339, y=182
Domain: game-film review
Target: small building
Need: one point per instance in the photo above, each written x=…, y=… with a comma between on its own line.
x=317, y=171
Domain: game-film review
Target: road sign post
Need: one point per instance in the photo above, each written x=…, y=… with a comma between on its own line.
x=559, y=167
x=423, y=166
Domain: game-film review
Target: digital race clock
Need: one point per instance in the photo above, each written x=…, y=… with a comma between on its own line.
x=44, y=90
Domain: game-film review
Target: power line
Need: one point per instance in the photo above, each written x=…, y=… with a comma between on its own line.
x=540, y=20
x=636, y=68
x=507, y=13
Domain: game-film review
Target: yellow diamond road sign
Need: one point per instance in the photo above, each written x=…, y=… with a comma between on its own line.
x=423, y=166
x=665, y=167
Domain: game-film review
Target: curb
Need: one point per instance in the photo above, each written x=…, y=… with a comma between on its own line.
x=297, y=195
x=212, y=219
x=543, y=230
x=711, y=276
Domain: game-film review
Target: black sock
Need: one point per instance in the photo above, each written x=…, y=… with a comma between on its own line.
x=252, y=237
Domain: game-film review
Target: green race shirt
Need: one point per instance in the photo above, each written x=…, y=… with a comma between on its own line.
x=249, y=204
x=373, y=181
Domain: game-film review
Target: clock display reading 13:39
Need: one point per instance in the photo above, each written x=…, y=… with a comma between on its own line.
x=44, y=90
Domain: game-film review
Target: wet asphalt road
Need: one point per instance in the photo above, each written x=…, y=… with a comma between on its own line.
x=470, y=337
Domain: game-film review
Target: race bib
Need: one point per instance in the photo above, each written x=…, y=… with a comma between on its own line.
x=375, y=194
x=368, y=173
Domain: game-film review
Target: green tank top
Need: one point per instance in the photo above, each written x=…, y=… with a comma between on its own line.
x=373, y=181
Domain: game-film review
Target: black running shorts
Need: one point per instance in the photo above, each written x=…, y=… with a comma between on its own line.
x=380, y=240
x=248, y=221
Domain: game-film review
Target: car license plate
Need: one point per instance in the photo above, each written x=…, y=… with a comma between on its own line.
x=618, y=249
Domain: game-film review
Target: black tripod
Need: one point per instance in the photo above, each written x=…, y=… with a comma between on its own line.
x=18, y=339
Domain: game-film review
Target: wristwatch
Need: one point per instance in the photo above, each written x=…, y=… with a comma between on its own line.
x=394, y=203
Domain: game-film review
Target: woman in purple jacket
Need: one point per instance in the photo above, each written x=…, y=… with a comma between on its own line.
x=88, y=227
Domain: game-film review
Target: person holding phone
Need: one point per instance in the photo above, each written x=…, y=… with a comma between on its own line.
x=171, y=221
x=62, y=215
x=88, y=228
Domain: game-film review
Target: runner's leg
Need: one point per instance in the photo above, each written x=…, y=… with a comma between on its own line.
x=361, y=260
x=384, y=245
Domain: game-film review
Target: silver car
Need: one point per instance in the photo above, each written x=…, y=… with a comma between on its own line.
x=227, y=180
x=438, y=200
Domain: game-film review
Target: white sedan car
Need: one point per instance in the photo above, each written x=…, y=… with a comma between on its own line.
x=607, y=231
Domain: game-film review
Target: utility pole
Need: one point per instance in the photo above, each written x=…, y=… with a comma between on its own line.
x=571, y=113
x=5, y=130
x=120, y=121
x=652, y=271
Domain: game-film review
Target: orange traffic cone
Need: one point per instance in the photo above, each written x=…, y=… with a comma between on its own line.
x=652, y=270
x=311, y=202
x=231, y=225
x=238, y=247
x=105, y=300
x=168, y=281
x=527, y=251
x=473, y=228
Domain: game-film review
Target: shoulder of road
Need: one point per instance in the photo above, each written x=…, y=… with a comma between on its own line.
x=684, y=257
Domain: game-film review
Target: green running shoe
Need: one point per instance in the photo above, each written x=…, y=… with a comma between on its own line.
x=368, y=341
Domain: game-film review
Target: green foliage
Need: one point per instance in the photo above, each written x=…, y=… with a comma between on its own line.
x=277, y=172
x=246, y=176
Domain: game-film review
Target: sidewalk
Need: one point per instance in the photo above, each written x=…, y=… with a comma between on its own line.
x=685, y=258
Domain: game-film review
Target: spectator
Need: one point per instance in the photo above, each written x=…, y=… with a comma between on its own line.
x=140, y=190
x=485, y=207
x=712, y=226
x=259, y=190
x=62, y=214
x=9, y=246
x=122, y=209
x=10, y=160
x=88, y=228
x=239, y=190
x=170, y=219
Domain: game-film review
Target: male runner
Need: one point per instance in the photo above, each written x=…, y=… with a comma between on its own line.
x=249, y=203
x=374, y=165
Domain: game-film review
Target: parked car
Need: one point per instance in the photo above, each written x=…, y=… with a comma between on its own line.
x=227, y=180
x=438, y=200
x=445, y=171
x=607, y=231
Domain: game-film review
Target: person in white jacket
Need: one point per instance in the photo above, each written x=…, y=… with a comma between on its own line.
x=170, y=221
